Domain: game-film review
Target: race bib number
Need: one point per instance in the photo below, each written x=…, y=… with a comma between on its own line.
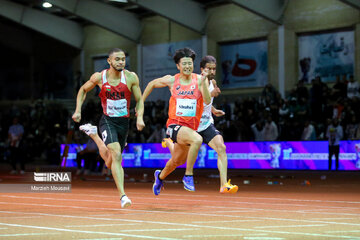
x=116, y=108
x=186, y=107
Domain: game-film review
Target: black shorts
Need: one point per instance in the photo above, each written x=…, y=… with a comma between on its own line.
x=172, y=131
x=114, y=129
x=209, y=133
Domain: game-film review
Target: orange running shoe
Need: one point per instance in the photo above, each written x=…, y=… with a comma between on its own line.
x=229, y=188
x=163, y=142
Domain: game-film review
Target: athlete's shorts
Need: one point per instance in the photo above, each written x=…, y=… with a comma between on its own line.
x=114, y=129
x=172, y=132
x=209, y=133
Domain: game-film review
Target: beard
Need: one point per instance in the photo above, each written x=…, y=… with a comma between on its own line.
x=211, y=77
x=119, y=69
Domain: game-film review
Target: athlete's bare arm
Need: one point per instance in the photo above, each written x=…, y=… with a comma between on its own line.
x=94, y=80
x=217, y=112
x=139, y=108
x=204, y=87
x=216, y=92
x=166, y=81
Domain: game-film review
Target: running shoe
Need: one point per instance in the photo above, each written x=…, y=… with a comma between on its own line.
x=88, y=129
x=157, y=183
x=229, y=188
x=189, y=183
x=163, y=142
x=125, y=201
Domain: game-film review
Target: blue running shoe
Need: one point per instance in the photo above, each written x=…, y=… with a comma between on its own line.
x=189, y=183
x=157, y=183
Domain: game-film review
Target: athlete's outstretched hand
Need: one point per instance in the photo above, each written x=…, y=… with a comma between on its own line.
x=76, y=117
x=204, y=74
x=140, y=124
x=216, y=92
x=218, y=112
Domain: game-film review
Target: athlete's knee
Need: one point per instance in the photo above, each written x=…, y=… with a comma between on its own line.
x=178, y=162
x=221, y=148
x=197, y=140
x=115, y=154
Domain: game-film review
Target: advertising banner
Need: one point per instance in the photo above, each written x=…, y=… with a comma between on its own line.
x=326, y=55
x=244, y=65
x=300, y=155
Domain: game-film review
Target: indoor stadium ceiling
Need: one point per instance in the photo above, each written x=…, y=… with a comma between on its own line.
x=129, y=6
x=123, y=17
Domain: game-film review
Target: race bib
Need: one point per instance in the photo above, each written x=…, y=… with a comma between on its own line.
x=116, y=108
x=186, y=107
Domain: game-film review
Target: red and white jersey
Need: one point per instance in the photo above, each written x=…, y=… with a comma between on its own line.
x=115, y=100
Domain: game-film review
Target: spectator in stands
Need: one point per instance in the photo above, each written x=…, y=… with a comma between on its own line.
x=269, y=92
x=302, y=111
x=353, y=88
x=270, y=130
x=15, y=134
x=351, y=129
x=308, y=133
x=339, y=89
x=258, y=130
x=302, y=91
x=334, y=134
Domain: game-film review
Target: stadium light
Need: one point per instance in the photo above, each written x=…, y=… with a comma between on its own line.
x=47, y=5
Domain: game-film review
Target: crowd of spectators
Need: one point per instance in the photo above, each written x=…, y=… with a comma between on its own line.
x=44, y=128
x=304, y=114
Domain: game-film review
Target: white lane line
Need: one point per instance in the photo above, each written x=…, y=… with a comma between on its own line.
x=191, y=213
x=333, y=218
x=257, y=234
x=100, y=239
x=302, y=200
x=188, y=200
x=253, y=209
x=26, y=234
x=234, y=211
x=202, y=226
x=104, y=225
x=23, y=217
x=101, y=215
x=290, y=226
x=163, y=211
x=81, y=231
x=264, y=238
x=87, y=200
x=226, y=221
x=206, y=196
x=160, y=230
x=344, y=231
x=213, y=235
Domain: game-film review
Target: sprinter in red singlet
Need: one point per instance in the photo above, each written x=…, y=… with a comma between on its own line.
x=211, y=136
x=116, y=86
x=189, y=91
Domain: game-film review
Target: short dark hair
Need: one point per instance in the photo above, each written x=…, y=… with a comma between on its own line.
x=207, y=59
x=114, y=50
x=184, y=52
